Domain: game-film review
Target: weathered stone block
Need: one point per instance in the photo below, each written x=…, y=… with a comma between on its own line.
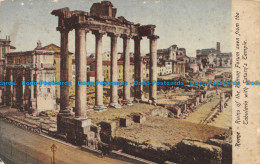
x=90, y=135
x=82, y=122
x=197, y=152
x=160, y=112
x=226, y=149
x=86, y=129
x=139, y=118
x=108, y=127
x=93, y=128
x=125, y=122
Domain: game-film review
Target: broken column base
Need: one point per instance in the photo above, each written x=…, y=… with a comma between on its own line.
x=127, y=102
x=115, y=105
x=100, y=108
x=153, y=102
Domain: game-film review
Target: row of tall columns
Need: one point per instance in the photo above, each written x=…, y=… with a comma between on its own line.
x=179, y=68
x=81, y=74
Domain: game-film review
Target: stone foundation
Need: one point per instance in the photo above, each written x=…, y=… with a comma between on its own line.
x=75, y=130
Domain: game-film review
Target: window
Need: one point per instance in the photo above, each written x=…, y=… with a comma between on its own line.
x=48, y=90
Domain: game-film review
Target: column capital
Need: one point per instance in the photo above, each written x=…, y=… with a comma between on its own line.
x=126, y=36
x=110, y=34
x=137, y=37
x=98, y=32
x=153, y=37
x=63, y=29
x=82, y=28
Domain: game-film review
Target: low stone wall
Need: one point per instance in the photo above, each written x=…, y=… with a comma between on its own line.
x=145, y=151
x=197, y=152
x=226, y=149
x=214, y=151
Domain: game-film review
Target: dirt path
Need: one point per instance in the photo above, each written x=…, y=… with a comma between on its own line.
x=202, y=112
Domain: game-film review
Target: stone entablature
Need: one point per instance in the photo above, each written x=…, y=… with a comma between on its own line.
x=97, y=20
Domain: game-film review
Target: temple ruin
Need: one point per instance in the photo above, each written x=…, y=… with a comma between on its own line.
x=100, y=20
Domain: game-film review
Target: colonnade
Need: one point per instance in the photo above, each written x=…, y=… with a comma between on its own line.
x=81, y=71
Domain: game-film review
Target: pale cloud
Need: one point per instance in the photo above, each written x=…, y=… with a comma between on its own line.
x=157, y=1
x=56, y=1
x=144, y=2
x=22, y=4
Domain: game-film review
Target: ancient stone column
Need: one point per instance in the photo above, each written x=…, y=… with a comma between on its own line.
x=184, y=68
x=81, y=72
x=99, y=72
x=174, y=55
x=11, y=88
x=64, y=71
x=23, y=88
x=171, y=53
x=126, y=56
x=153, y=68
x=138, y=68
x=32, y=86
x=222, y=101
x=114, y=72
x=32, y=98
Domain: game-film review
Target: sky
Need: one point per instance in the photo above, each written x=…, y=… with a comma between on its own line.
x=191, y=24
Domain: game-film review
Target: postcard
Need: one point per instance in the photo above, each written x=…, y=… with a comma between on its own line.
x=133, y=81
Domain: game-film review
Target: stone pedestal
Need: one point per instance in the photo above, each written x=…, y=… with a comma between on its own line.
x=75, y=130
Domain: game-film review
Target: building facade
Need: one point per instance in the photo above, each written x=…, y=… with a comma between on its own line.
x=28, y=71
x=213, y=57
x=5, y=48
x=57, y=58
